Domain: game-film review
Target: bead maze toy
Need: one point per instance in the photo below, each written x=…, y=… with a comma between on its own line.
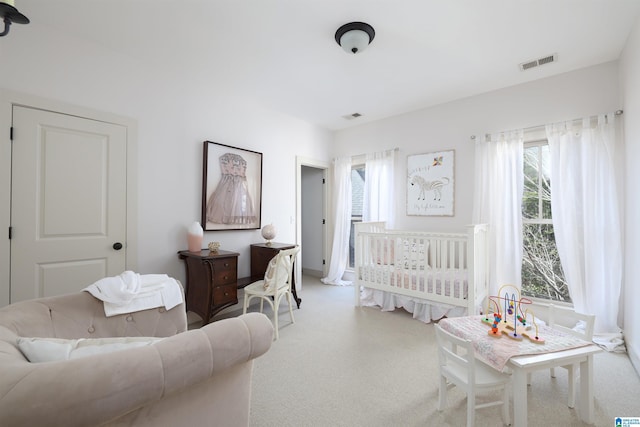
x=512, y=321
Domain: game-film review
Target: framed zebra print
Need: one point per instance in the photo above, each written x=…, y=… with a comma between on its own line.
x=430, y=184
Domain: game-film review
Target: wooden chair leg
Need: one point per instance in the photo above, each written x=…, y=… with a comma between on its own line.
x=505, y=406
x=442, y=393
x=572, y=386
x=275, y=317
x=471, y=410
x=289, y=298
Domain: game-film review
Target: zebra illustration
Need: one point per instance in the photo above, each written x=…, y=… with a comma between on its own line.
x=424, y=185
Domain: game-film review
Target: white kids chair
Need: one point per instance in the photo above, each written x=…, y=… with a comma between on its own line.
x=576, y=324
x=459, y=367
x=275, y=285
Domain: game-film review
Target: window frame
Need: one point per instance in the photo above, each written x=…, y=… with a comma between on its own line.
x=537, y=143
x=354, y=219
x=539, y=220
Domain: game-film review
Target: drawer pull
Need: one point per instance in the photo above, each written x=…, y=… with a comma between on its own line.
x=226, y=277
x=226, y=294
x=226, y=264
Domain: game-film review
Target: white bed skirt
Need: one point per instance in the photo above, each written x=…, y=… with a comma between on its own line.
x=425, y=311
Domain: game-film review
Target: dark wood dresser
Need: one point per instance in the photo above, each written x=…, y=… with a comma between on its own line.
x=261, y=254
x=212, y=281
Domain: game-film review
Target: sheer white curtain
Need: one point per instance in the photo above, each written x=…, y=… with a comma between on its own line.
x=342, y=220
x=379, y=203
x=586, y=215
x=499, y=182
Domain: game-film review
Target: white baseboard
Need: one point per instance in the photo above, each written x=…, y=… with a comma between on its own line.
x=635, y=359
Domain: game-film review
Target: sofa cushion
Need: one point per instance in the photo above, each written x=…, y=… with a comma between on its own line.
x=53, y=349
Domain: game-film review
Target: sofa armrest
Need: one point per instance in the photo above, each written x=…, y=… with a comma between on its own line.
x=96, y=389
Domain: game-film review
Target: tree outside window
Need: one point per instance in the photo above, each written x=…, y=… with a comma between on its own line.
x=542, y=274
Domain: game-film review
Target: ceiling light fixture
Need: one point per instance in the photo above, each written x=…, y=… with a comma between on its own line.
x=354, y=37
x=10, y=14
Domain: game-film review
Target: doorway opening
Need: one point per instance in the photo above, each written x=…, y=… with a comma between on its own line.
x=311, y=218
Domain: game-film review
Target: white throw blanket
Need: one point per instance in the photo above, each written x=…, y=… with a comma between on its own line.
x=129, y=292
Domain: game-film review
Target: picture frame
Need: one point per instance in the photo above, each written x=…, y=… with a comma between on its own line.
x=430, y=184
x=231, y=188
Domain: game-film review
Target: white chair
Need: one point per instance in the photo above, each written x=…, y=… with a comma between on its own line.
x=459, y=367
x=275, y=285
x=565, y=319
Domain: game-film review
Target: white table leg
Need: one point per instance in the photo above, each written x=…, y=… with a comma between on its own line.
x=519, y=398
x=586, y=409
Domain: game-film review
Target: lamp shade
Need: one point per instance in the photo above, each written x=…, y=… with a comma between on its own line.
x=354, y=41
x=354, y=37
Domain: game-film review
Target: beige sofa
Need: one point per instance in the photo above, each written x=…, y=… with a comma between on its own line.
x=197, y=377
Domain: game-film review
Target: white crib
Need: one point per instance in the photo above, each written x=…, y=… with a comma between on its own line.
x=430, y=274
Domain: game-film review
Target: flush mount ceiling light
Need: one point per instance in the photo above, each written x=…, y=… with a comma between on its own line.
x=354, y=37
x=10, y=14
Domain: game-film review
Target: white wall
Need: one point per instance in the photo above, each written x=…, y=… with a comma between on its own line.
x=630, y=88
x=176, y=109
x=450, y=126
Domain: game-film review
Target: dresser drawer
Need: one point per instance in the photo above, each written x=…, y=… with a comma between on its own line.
x=225, y=271
x=225, y=264
x=225, y=294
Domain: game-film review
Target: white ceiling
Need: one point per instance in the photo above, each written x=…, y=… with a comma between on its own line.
x=282, y=53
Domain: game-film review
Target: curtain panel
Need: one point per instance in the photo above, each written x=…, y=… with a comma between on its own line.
x=499, y=183
x=342, y=222
x=379, y=203
x=586, y=215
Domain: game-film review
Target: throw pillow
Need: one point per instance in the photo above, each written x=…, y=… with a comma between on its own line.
x=51, y=349
x=273, y=267
x=415, y=253
x=383, y=251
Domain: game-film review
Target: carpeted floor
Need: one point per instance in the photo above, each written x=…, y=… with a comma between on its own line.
x=344, y=366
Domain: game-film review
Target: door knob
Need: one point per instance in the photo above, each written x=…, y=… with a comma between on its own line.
x=117, y=246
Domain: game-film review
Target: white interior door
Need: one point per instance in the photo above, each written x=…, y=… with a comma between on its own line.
x=68, y=202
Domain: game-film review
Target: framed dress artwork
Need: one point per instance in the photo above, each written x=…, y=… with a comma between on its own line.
x=430, y=184
x=231, y=188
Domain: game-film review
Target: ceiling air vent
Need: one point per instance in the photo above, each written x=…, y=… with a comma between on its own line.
x=538, y=62
x=352, y=116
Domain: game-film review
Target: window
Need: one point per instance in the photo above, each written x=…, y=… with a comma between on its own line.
x=542, y=274
x=357, y=201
